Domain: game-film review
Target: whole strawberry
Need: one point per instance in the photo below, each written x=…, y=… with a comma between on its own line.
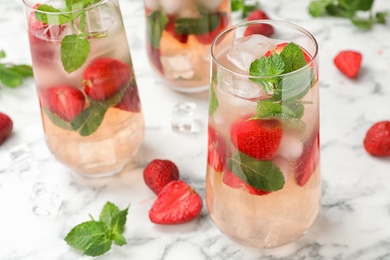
x=6, y=126
x=348, y=62
x=104, y=77
x=159, y=173
x=176, y=203
x=377, y=140
x=264, y=29
x=257, y=138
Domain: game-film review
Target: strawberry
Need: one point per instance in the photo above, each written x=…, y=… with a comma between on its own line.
x=218, y=151
x=40, y=29
x=257, y=138
x=377, y=140
x=264, y=29
x=170, y=28
x=159, y=173
x=176, y=203
x=64, y=101
x=130, y=100
x=231, y=180
x=279, y=48
x=308, y=161
x=348, y=62
x=207, y=38
x=6, y=126
x=104, y=77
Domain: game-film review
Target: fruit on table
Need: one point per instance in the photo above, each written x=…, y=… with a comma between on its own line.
x=6, y=126
x=348, y=62
x=257, y=138
x=176, y=203
x=234, y=182
x=264, y=29
x=64, y=101
x=158, y=173
x=104, y=77
x=377, y=139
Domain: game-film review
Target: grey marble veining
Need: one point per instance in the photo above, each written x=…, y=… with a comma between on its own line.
x=354, y=220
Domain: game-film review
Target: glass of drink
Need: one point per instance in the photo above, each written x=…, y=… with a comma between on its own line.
x=179, y=34
x=263, y=172
x=89, y=102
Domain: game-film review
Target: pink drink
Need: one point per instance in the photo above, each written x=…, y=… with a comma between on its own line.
x=179, y=35
x=92, y=115
x=263, y=176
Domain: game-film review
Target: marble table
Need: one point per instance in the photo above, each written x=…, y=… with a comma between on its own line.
x=354, y=220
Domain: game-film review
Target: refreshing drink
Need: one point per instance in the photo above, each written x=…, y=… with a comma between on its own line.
x=263, y=174
x=90, y=107
x=179, y=35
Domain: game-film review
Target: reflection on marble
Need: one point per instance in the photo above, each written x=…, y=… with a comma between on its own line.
x=354, y=221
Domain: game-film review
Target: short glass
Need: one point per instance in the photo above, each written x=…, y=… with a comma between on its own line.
x=90, y=107
x=179, y=34
x=263, y=175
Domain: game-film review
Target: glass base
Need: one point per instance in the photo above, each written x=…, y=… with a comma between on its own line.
x=100, y=175
x=189, y=89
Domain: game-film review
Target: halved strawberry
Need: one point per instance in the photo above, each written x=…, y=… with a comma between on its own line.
x=257, y=138
x=170, y=28
x=308, y=161
x=279, y=48
x=264, y=29
x=231, y=180
x=130, y=100
x=207, y=38
x=218, y=150
x=6, y=126
x=104, y=77
x=176, y=203
x=377, y=139
x=64, y=101
x=43, y=30
x=348, y=62
x=159, y=173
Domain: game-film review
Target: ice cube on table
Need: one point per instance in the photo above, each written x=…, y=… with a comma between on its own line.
x=245, y=50
x=185, y=118
x=45, y=199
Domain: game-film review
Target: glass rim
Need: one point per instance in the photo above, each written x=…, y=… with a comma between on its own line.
x=270, y=22
x=27, y=4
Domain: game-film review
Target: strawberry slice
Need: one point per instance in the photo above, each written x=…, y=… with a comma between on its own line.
x=257, y=138
x=64, y=101
x=218, y=151
x=159, y=173
x=39, y=29
x=176, y=203
x=130, y=100
x=170, y=28
x=377, y=139
x=231, y=180
x=6, y=126
x=348, y=62
x=279, y=48
x=104, y=77
x=207, y=38
x=264, y=29
x=308, y=161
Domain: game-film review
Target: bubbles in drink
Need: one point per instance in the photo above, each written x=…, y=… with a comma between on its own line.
x=245, y=50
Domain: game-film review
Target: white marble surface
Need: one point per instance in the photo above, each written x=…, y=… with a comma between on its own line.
x=354, y=221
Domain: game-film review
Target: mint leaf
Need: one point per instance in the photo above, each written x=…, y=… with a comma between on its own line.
x=205, y=24
x=84, y=235
x=318, y=8
x=55, y=19
x=244, y=7
x=271, y=66
x=263, y=175
x=119, y=239
x=108, y=212
x=2, y=54
x=74, y=52
x=10, y=78
x=118, y=222
x=213, y=101
x=99, y=245
x=271, y=110
x=89, y=120
x=57, y=121
x=156, y=23
x=293, y=57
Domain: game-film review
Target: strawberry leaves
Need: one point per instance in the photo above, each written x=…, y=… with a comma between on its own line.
x=94, y=238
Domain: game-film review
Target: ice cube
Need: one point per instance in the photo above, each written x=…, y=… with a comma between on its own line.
x=210, y=5
x=245, y=50
x=182, y=8
x=291, y=146
x=184, y=118
x=101, y=18
x=178, y=66
x=24, y=163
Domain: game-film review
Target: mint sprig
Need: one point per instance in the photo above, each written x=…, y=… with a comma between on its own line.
x=75, y=48
x=349, y=9
x=95, y=238
x=196, y=26
x=156, y=23
x=12, y=75
x=244, y=7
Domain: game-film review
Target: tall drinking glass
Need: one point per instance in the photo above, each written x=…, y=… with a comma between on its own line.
x=263, y=173
x=179, y=34
x=90, y=107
